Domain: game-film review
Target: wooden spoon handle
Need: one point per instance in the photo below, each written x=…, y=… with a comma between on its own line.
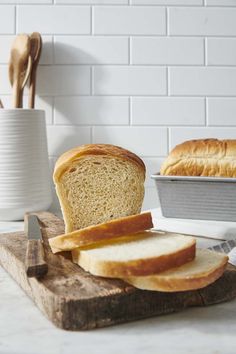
x=17, y=95
x=21, y=98
x=32, y=87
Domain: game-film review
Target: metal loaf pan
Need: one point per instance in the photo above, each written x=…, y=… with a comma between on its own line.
x=205, y=198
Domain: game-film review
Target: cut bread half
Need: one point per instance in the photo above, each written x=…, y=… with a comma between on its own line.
x=103, y=232
x=96, y=183
x=151, y=252
x=206, y=268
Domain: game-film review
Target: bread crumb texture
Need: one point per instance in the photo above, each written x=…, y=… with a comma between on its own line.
x=99, y=188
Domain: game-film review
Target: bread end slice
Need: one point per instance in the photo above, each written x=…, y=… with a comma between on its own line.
x=205, y=269
x=102, y=232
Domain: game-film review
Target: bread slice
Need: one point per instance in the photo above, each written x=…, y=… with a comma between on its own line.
x=151, y=252
x=207, y=267
x=97, y=183
x=102, y=232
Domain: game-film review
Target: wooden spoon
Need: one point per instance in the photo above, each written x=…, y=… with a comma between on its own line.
x=19, y=67
x=35, y=52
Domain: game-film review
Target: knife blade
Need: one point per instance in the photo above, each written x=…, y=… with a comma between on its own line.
x=228, y=247
x=224, y=247
x=35, y=264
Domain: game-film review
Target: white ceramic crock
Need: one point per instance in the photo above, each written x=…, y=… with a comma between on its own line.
x=24, y=167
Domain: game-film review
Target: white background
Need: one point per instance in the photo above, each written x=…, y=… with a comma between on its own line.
x=143, y=74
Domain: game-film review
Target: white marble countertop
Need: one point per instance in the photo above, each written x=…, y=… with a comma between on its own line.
x=24, y=330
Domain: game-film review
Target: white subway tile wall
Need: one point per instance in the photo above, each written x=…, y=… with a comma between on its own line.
x=57, y=80
x=167, y=50
x=144, y=141
x=54, y=19
x=143, y=74
x=167, y=111
x=129, y=80
x=221, y=51
x=205, y=21
x=221, y=111
x=92, y=110
x=202, y=81
x=132, y=20
x=178, y=135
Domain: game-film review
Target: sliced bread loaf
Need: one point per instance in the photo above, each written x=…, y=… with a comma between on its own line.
x=151, y=252
x=207, y=267
x=97, y=183
x=112, y=229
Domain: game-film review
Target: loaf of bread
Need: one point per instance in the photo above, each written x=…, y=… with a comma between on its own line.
x=97, y=183
x=145, y=253
x=206, y=268
x=124, y=227
x=205, y=157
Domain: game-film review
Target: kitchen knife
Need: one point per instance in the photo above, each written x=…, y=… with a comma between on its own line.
x=228, y=247
x=35, y=264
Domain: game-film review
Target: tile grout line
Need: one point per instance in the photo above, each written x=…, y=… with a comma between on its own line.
x=91, y=73
x=53, y=110
x=157, y=96
x=153, y=66
x=91, y=70
x=159, y=127
x=73, y=4
x=206, y=112
x=120, y=35
x=168, y=140
x=91, y=20
x=91, y=134
x=130, y=111
x=205, y=51
x=167, y=21
x=53, y=51
x=15, y=18
x=167, y=81
x=129, y=50
x=53, y=61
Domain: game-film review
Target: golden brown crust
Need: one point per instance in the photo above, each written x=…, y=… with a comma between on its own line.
x=205, y=157
x=102, y=232
x=65, y=159
x=114, y=269
x=168, y=284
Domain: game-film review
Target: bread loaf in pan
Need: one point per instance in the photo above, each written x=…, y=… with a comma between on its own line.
x=204, y=157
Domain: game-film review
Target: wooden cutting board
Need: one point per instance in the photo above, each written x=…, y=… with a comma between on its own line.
x=75, y=300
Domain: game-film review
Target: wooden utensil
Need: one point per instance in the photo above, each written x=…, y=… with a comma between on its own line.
x=35, y=264
x=35, y=52
x=19, y=67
